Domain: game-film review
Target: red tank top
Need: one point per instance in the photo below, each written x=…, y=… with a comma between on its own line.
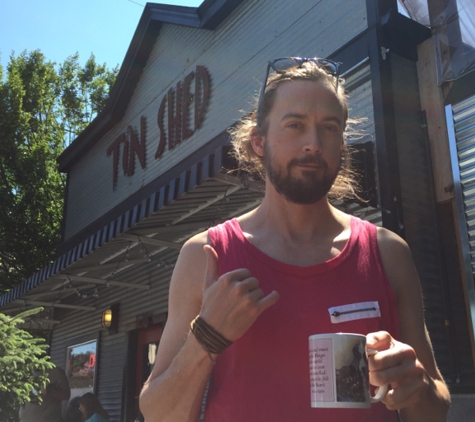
x=264, y=376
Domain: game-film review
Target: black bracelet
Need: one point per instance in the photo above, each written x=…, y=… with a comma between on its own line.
x=210, y=339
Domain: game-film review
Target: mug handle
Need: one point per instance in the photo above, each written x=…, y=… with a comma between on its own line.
x=382, y=390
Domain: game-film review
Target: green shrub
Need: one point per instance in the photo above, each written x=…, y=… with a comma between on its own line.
x=23, y=366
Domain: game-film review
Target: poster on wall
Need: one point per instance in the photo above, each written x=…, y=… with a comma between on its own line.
x=81, y=367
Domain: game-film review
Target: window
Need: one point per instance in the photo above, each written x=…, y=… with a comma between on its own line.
x=81, y=367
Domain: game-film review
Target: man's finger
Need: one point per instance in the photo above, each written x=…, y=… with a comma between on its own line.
x=268, y=300
x=212, y=266
x=380, y=340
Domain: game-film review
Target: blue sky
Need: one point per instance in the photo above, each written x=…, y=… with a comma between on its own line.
x=60, y=28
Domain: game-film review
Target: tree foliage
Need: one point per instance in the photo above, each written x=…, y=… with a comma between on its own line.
x=23, y=366
x=43, y=107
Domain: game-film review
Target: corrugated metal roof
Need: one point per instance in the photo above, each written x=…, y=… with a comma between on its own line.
x=199, y=198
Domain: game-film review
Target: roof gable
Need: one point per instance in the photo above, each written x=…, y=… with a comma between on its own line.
x=207, y=16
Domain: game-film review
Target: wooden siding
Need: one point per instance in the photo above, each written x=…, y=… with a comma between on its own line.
x=235, y=55
x=433, y=104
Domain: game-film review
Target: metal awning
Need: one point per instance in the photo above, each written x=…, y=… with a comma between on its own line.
x=148, y=235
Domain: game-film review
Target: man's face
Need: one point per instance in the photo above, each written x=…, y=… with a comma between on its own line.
x=302, y=147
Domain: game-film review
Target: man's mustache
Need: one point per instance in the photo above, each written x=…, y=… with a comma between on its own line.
x=308, y=159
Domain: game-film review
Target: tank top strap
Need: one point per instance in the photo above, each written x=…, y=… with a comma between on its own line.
x=225, y=236
x=368, y=241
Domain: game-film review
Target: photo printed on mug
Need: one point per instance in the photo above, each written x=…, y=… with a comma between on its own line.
x=339, y=374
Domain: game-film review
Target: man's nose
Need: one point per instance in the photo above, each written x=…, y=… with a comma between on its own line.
x=312, y=142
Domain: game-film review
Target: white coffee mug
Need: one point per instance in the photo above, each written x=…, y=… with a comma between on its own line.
x=339, y=371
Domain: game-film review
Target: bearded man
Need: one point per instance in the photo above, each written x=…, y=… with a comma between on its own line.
x=255, y=287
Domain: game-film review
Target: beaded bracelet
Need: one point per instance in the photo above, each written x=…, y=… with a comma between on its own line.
x=210, y=339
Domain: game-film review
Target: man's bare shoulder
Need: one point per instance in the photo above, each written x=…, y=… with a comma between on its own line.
x=187, y=278
x=398, y=263
x=192, y=250
x=191, y=261
x=391, y=245
x=196, y=242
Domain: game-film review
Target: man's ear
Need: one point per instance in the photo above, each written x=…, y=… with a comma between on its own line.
x=257, y=141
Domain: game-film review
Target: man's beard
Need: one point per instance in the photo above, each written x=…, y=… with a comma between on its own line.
x=306, y=190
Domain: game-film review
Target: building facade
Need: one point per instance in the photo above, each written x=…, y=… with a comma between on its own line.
x=153, y=169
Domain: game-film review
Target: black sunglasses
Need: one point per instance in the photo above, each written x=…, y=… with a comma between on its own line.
x=285, y=64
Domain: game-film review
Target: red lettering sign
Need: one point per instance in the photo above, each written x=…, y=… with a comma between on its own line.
x=163, y=136
x=202, y=93
x=178, y=104
x=132, y=147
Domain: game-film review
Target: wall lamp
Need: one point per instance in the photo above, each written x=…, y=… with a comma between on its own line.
x=110, y=317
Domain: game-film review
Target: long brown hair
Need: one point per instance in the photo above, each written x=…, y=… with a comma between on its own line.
x=91, y=405
x=346, y=183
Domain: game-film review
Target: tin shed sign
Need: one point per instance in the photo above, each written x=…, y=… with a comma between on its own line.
x=174, y=120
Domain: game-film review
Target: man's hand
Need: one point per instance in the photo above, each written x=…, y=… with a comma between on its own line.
x=396, y=364
x=232, y=302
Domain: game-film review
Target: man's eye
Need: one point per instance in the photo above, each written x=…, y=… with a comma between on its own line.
x=330, y=128
x=294, y=125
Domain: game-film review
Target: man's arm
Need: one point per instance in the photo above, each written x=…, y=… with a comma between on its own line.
x=417, y=387
x=230, y=304
x=175, y=388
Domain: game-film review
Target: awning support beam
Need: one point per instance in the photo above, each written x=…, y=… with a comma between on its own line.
x=54, y=305
x=230, y=190
x=149, y=241
x=103, y=282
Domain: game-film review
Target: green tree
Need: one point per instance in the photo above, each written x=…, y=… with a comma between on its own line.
x=23, y=366
x=43, y=107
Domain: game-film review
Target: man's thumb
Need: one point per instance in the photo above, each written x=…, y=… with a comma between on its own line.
x=212, y=266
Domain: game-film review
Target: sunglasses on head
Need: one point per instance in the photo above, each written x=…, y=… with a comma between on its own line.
x=285, y=64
